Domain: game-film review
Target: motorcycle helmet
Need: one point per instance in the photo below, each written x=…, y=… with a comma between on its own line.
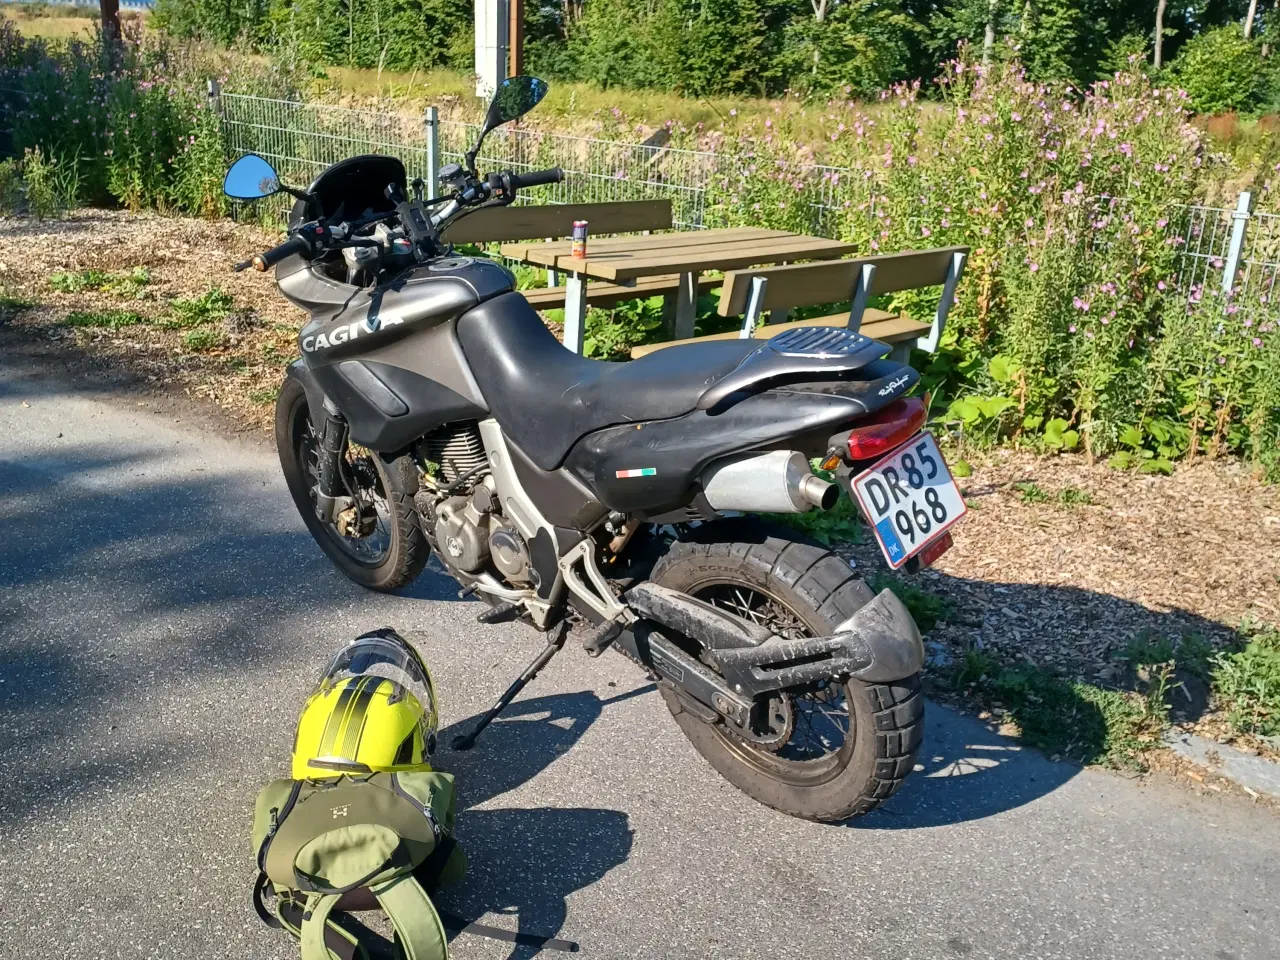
x=372, y=711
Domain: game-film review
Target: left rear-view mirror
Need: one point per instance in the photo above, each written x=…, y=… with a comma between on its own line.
x=251, y=178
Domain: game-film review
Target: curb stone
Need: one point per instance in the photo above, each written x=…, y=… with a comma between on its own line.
x=1247, y=770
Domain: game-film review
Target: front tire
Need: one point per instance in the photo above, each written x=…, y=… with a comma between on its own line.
x=400, y=550
x=798, y=589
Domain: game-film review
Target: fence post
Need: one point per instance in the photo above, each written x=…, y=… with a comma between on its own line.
x=432, y=122
x=1239, y=221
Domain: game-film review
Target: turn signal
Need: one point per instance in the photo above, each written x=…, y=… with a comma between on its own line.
x=887, y=428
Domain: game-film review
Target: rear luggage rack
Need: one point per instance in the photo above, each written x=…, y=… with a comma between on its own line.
x=820, y=350
x=818, y=342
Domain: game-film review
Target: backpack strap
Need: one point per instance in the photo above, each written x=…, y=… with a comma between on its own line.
x=417, y=925
x=322, y=939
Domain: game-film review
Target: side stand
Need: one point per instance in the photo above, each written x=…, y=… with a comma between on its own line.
x=555, y=642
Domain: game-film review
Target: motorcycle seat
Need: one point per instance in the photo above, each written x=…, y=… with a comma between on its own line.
x=547, y=397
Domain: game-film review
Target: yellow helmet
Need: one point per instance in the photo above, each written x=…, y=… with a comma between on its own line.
x=373, y=711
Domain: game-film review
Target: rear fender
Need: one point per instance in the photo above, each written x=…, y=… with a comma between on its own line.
x=878, y=644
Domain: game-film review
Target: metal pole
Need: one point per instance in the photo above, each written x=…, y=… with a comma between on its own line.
x=575, y=312
x=432, y=123
x=1239, y=221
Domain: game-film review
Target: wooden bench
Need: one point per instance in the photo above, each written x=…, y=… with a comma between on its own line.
x=529, y=222
x=767, y=292
x=612, y=294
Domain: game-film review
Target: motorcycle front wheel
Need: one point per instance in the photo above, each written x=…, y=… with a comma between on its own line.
x=840, y=750
x=381, y=546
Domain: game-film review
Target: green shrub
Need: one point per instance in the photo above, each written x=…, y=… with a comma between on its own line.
x=1222, y=71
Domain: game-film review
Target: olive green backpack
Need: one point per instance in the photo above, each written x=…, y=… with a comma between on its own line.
x=356, y=843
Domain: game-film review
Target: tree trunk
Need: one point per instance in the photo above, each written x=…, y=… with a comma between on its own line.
x=1158, y=58
x=110, y=11
x=1248, y=20
x=820, y=15
x=989, y=36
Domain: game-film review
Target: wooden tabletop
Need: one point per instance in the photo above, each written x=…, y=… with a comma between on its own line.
x=620, y=259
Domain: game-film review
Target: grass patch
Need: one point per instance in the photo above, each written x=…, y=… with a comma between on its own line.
x=129, y=285
x=104, y=319
x=210, y=306
x=264, y=396
x=926, y=608
x=1246, y=682
x=202, y=339
x=1064, y=718
x=12, y=304
x=1075, y=497
x=1031, y=492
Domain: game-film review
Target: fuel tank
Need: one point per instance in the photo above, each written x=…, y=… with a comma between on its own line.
x=388, y=356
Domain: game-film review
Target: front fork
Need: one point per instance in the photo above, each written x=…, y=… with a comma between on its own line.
x=331, y=494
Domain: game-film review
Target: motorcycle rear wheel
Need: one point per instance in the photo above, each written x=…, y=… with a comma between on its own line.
x=797, y=589
x=401, y=549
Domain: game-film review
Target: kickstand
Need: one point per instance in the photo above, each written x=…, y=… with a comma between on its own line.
x=555, y=642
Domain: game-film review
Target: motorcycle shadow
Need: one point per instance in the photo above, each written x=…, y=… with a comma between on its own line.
x=966, y=770
x=525, y=863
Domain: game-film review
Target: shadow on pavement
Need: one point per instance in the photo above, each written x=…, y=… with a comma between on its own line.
x=527, y=862
x=966, y=771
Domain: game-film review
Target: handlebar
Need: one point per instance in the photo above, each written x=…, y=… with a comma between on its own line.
x=318, y=237
x=537, y=178
x=269, y=258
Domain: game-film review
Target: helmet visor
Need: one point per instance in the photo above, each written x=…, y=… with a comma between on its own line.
x=386, y=656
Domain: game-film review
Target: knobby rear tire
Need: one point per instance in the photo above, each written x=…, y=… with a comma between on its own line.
x=886, y=720
x=408, y=551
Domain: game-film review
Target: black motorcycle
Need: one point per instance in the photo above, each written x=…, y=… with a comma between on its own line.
x=432, y=409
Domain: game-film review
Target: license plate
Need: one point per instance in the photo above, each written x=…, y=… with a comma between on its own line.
x=910, y=498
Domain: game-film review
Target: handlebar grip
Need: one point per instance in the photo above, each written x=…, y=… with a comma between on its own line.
x=537, y=178
x=269, y=258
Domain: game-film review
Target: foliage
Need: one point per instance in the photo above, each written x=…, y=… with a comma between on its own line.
x=106, y=319
x=1221, y=70
x=96, y=123
x=1073, y=329
x=127, y=285
x=210, y=306
x=1246, y=682
x=203, y=339
x=926, y=608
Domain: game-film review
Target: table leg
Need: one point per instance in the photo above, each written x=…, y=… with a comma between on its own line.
x=575, y=312
x=686, y=306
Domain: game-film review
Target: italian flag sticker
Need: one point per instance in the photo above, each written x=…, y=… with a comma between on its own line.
x=642, y=472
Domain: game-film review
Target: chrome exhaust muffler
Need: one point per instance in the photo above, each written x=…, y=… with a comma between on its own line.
x=774, y=482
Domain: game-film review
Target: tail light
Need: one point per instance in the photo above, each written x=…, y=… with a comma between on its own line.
x=887, y=428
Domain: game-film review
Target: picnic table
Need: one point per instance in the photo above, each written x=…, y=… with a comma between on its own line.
x=625, y=260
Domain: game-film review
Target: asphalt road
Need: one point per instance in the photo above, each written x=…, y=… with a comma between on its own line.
x=163, y=614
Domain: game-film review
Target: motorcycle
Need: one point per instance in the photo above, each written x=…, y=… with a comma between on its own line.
x=433, y=411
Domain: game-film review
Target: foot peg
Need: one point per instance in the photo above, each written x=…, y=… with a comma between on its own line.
x=497, y=614
x=600, y=638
